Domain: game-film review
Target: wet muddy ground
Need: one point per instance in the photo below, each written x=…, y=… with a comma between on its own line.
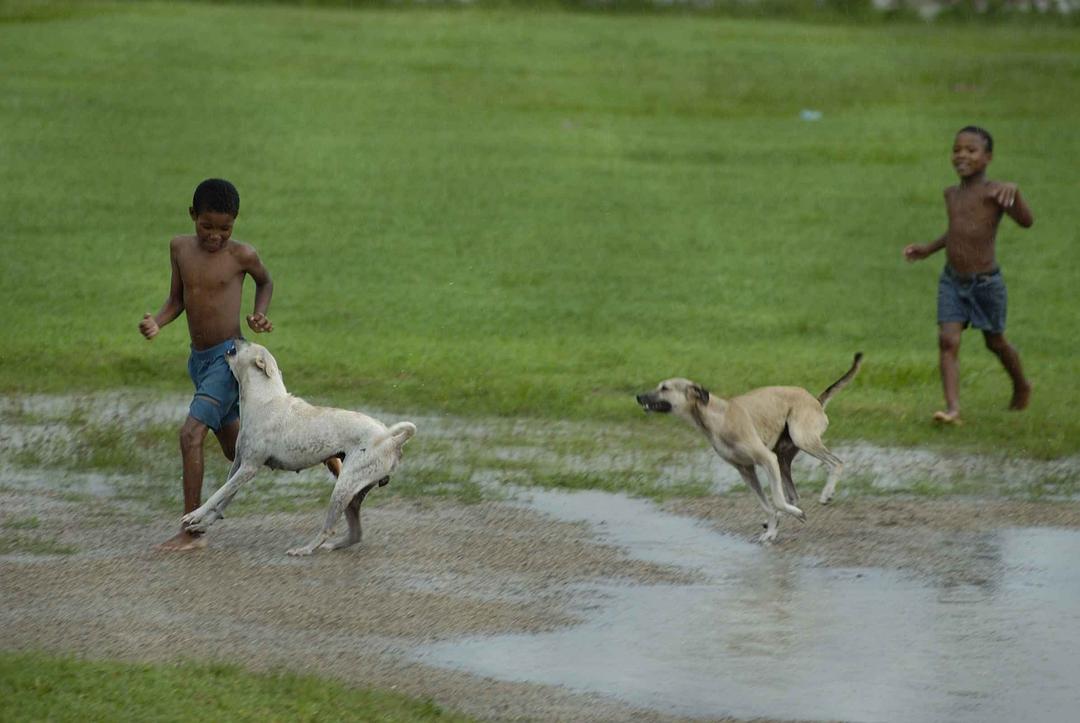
x=576, y=605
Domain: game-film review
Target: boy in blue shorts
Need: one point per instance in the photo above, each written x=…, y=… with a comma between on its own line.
x=971, y=290
x=208, y=270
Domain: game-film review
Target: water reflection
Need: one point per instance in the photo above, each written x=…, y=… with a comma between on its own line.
x=774, y=636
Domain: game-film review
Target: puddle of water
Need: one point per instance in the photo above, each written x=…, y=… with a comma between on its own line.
x=772, y=636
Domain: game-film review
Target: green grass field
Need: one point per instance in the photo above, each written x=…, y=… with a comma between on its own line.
x=538, y=213
x=38, y=688
x=512, y=212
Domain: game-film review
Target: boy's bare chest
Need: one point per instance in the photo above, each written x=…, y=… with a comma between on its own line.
x=210, y=272
x=972, y=210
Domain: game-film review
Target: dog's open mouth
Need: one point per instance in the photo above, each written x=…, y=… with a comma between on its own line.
x=654, y=405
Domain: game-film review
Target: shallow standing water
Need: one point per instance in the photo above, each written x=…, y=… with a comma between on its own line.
x=768, y=635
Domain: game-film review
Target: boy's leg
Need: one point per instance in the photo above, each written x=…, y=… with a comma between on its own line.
x=949, y=363
x=192, y=436
x=227, y=438
x=1010, y=359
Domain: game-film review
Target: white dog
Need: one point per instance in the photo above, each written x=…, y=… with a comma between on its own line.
x=285, y=432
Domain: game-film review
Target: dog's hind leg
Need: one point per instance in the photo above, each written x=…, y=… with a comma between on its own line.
x=339, y=499
x=806, y=431
x=836, y=466
x=352, y=517
x=785, y=451
x=357, y=479
x=359, y=474
x=811, y=444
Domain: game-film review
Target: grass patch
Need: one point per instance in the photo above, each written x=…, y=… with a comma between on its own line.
x=1053, y=487
x=537, y=213
x=636, y=484
x=455, y=484
x=22, y=523
x=36, y=687
x=19, y=542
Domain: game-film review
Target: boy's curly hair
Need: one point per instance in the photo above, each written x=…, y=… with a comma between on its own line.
x=216, y=194
x=982, y=133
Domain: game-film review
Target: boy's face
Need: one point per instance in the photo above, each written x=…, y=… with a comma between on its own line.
x=969, y=155
x=213, y=228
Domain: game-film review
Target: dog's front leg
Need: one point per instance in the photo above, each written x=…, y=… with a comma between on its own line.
x=212, y=510
x=749, y=476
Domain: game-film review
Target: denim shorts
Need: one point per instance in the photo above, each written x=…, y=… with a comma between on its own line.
x=977, y=300
x=217, y=395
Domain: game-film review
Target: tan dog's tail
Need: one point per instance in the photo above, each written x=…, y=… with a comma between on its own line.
x=842, y=381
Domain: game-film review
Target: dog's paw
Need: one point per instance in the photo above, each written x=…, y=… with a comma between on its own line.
x=194, y=522
x=199, y=520
x=825, y=499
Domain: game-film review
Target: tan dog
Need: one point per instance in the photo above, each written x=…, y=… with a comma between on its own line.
x=766, y=427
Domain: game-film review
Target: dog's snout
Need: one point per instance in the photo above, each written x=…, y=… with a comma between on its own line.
x=650, y=403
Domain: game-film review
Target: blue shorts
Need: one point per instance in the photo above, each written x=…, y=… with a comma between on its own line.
x=977, y=300
x=217, y=395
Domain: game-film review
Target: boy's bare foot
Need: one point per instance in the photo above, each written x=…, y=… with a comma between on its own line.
x=183, y=540
x=1021, y=396
x=948, y=418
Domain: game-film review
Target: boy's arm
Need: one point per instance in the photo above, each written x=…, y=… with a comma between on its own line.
x=174, y=305
x=1008, y=197
x=917, y=252
x=264, y=290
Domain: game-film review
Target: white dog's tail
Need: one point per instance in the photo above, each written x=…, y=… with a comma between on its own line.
x=398, y=434
x=842, y=381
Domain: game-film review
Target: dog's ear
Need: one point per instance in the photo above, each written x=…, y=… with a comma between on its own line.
x=266, y=364
x=699, y=393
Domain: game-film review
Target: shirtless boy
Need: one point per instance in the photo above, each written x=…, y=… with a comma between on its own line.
x=971, y=290
x=208, y=272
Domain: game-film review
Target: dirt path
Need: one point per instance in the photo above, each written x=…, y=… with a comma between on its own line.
x=427, y=571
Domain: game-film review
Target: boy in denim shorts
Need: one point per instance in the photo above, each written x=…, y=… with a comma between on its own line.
x=208, y=270
x=971, y=290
